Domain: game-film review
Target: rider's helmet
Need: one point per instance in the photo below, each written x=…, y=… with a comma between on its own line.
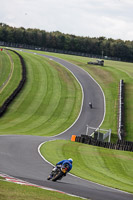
x=70, y=160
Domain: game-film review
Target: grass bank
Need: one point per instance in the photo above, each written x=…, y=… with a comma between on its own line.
x=13, y=191
x=48, y=104
x=108, y=77
x=5, y=67
x=108, y=167
x=12, y=76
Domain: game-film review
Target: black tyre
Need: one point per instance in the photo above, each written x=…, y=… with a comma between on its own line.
x=48, y=178
x=58, y=176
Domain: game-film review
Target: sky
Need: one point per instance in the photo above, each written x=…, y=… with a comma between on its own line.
x=88, y=18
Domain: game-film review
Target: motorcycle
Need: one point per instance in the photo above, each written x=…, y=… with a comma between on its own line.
x=58, y=172
x=90, y=104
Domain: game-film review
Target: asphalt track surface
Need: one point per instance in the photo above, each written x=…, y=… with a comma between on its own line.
x=19, y=156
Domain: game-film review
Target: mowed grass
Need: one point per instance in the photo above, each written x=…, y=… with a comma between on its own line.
x=5, y=67
x=14, y=191
x=12, y=74
x=104, y=166
x=109, y=77
x=49, y=102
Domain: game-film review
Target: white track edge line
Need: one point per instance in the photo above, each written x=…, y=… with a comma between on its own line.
x=81, y=85
x=75, y=175
x=35, y=185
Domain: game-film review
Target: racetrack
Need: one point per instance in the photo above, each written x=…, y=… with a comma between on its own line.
x=19, y=155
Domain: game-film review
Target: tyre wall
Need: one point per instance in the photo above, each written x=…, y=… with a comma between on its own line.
x=8, y=101
x=120, y=145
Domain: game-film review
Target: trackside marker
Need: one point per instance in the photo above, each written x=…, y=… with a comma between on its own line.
x=73, y=138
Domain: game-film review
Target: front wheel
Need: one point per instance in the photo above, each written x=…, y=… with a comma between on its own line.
x=58, y=176
x=48, y=178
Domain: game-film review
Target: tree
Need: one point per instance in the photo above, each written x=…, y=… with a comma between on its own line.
x=67, y=42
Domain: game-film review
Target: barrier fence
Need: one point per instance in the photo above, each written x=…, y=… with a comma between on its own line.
x=6, y=103
x=120, y=145
x=121, y=111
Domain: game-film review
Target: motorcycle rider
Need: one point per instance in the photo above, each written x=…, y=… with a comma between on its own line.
x=63, y=163
x=90, y=104
x=66, y=162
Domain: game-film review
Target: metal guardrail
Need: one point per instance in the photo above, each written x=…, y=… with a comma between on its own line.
x=121, y=111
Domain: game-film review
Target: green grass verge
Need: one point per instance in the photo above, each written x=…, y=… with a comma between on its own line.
x=108, y=167
x=5, y=67
x=108, y=77
x=13, y=191
x=14, y=79
x=48, y=104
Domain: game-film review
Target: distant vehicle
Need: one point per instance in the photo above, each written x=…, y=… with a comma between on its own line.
x=90, y=104
x=99, y=62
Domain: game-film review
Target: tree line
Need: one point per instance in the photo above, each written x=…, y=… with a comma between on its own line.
x=96, y=45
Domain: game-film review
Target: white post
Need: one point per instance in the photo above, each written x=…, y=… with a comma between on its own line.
x=98, y=132
x=109, y=135
x=87, y=127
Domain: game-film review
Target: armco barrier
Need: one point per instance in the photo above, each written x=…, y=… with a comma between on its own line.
x=121, y=111
x=120, y=145
x=5, y=105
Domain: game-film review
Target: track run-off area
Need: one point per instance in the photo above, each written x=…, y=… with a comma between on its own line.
x=20, y=154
